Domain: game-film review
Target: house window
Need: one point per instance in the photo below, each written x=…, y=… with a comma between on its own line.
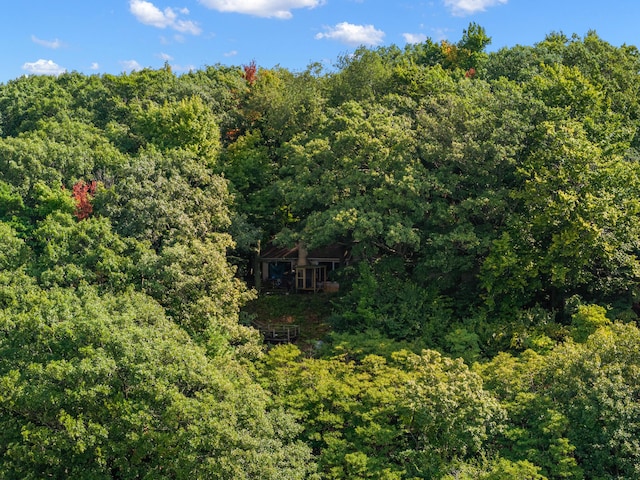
x=311, y=277
x=279, y=275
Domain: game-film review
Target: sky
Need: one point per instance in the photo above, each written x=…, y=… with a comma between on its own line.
x=116, y=36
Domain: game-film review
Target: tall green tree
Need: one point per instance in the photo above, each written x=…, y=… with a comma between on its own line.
x=576, y=233
x=165, y=197
x=104, y=386
x=358, y=181
x=188, y=124
x=368, y=417
x=595, y=385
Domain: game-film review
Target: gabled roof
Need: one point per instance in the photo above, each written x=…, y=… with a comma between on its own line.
x=272, y=252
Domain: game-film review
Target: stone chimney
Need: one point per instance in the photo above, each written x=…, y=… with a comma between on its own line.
x=302, y=254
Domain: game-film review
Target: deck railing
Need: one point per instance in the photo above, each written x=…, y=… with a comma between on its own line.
x=277, y=333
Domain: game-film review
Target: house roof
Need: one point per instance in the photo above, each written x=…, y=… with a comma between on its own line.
x=273, y=252
x=331, y=251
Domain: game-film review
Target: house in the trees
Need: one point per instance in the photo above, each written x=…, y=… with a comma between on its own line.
x=299, y=269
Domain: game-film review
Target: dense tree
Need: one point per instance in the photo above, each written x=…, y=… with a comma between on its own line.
x=358, y=181
x=282, y=104
x=489, y=204
x=372, y=418
x=576, y=234
x=165, y=197
x=106, y=387
x=363, y=76
x=470, y=142
x=595, y=385
x=14, y=252
x=188, y=124
x=26, y=101
x=70, y=252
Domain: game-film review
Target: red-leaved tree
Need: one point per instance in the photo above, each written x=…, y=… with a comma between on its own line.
x=250, y=72
x=82, y=194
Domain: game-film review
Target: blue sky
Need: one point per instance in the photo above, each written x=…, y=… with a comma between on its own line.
x=114, y=36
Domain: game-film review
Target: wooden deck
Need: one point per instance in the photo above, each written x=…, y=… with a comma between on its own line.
x=277, y=333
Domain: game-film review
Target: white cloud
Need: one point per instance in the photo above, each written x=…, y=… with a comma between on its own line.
x=47, y=43
x=262, y=8
x=232, y=53
x=467, y=7
x=43, y=67
x=130, y=65
x=185, y=26
x=149, y=14
x=95, y=66
x=165, y=56
x=414, y=37
x=353, y=34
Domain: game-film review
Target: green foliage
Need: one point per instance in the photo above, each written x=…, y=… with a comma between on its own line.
x=461, y=343
x=71, y=252
x=573, y=238
x=496, y=469
x=258, y=200
x=356, y=346
x=346, y=423
x=358, y=182
x=573, y=411
x=470, y=142
x=586, y=320
x=26, y=101
x=362, y=76
x=105, y=386
x=519, y=63
x=165, y=198
x=537, y=430
x=474, y=38
x=471, y=47
x=403, y=418
x=13, y=250
x=595, y=385
x=447, y=412
x=489, y=205
x=382, y=298
x=11, y=203
x=282, y=104
x=188, y=124
x=197, y=287
x=48, y=201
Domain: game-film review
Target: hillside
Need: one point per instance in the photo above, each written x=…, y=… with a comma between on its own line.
x=478, y=211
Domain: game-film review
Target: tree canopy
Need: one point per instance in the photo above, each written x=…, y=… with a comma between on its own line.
x=486, y=322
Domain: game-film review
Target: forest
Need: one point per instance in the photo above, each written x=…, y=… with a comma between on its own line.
x=486, y=324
